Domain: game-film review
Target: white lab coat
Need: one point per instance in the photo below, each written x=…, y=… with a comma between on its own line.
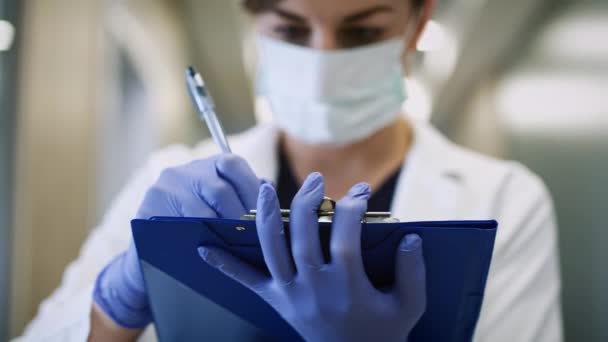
x=439, y=181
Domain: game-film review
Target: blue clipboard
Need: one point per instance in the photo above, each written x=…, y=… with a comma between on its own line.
x=192, y=301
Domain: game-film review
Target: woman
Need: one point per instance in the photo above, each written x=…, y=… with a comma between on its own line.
x=331, y=71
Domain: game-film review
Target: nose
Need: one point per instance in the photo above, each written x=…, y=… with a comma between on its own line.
x=324, y=40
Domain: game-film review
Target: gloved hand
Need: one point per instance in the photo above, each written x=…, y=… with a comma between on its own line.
x=222, y=186
x=335, y=301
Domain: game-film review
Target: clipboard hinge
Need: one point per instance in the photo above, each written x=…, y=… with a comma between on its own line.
x=326, y=213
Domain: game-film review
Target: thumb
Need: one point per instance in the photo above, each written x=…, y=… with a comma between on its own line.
x=233, y=267
x=410, y=276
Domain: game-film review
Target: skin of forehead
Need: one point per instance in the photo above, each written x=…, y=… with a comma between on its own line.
x=332, y=13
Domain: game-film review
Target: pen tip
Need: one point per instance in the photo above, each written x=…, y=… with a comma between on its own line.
x=194, y=75
x=190, y=71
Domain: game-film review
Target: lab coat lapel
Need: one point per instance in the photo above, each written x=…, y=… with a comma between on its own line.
x=429, y=187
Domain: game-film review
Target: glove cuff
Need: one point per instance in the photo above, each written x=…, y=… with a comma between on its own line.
x=126, y=306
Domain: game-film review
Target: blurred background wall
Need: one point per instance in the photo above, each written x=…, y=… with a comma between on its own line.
x=545, y=102
x=54, y=129
x=8, y=57
x=98, y=87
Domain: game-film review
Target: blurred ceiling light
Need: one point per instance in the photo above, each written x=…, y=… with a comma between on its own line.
x=578, y=37
x=570, y=103
x=433, y=38
x=418, y=104
x=441, y=50
x=7, y=35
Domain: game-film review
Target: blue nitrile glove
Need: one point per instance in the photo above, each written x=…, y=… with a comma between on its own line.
x=335, y=301
x=221, y=186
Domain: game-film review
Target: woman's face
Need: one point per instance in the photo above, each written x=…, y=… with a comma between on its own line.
x=337, y=24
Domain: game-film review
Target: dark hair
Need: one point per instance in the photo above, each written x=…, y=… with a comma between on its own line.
x=259, y=6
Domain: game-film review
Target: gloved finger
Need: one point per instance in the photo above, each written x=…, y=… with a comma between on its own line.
x=157, y=202
x=233, y=268
x=410, y=275
x=239, y=174
x=272, y=236
x=214, y=191
x=172, y=195
x=269, y=182
x=345, y=245
x=304, y=224
x=191, y=205
x=159, y=199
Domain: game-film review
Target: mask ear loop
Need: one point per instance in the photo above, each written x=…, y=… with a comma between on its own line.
x=408, y=38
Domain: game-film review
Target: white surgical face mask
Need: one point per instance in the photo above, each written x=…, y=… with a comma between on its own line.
x=331, y=97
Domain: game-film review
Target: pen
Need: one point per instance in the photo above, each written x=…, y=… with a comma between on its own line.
x=203, y=103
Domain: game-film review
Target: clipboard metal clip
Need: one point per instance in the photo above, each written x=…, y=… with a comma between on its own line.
x=326, y=213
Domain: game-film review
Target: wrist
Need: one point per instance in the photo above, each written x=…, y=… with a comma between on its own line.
x=103, y=328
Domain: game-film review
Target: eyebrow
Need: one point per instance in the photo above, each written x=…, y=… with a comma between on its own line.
x=367, y=13
x=349, y=19
x=288, y=15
